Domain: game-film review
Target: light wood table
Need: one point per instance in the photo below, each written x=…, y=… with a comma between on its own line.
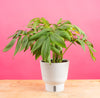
x=36, y=89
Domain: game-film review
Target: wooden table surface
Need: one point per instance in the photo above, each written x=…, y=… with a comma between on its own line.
x=36, y=89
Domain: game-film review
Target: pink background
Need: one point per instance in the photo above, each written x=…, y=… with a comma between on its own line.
x=15, y=14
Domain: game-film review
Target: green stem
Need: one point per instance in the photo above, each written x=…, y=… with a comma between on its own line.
x=67, y=49
x=53, y=57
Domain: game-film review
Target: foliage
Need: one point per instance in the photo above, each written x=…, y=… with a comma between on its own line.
x=44, y=37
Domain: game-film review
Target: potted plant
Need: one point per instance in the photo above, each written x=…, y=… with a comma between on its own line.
x=48, y=40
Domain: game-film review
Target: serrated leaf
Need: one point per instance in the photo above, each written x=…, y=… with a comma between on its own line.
x=9, y=46
x=38, y=43
x=24, y=42
x=55, y=38
x=17, y=46
x=45, y=51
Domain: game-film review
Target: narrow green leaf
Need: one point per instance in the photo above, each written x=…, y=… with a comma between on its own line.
x=44, y=21
x=12, y=36
x=81, y=43
x=45, y=51
x=40, y=28
x=9, y=46
x=24, y=42
x=38, y=43
x=35, y=24
x=37, y=54
x=59, y=21
x=67, y=22
x=92, y=56
x=18, y=33
x=65, y=27
x=64, y=34
x=33, y=20
x=39, y=34
x=31, y=32
x=28, y=45
x=89, y=43
x=55, y=50
x=17, y=46
x=55, y=38
x=79, y=30
x=90, y=47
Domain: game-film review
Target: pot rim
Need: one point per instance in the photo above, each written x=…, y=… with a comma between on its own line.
x=66, y=61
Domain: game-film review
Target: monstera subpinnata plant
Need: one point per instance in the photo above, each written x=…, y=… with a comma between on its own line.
x=44, y=39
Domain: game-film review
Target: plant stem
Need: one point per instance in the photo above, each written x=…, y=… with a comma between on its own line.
x=67, y=49
x=53, y=57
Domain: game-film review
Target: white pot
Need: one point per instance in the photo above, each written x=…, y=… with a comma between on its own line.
x=54, y=75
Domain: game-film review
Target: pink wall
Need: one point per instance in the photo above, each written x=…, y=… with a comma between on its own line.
x=15, y=14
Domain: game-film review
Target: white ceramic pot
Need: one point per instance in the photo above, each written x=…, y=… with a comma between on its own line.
x=54, y=75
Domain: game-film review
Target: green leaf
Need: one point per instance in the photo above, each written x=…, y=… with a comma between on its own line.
x=59, y=21
x=18, y=45
x=24, y=42
x=79, y=30
x=64, y=34
x=55, y=50
x=35, y=24
x=44, y=21
x=28, y=45
x=31, y=32
x=67, y=22
x=45, y=51
x=65, y=27
x=38, y=43
x=37, y=54
x=89, y=43
x=40, y=28
x=81, y=43
x=33, y=20
x=39, y=34
x=90, y=47
x=55, y=38
x=12, y=36
x=92, y=56
x=9, y=46
x=18, y=33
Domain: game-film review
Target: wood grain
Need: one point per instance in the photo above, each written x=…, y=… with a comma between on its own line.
x=36, y=89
